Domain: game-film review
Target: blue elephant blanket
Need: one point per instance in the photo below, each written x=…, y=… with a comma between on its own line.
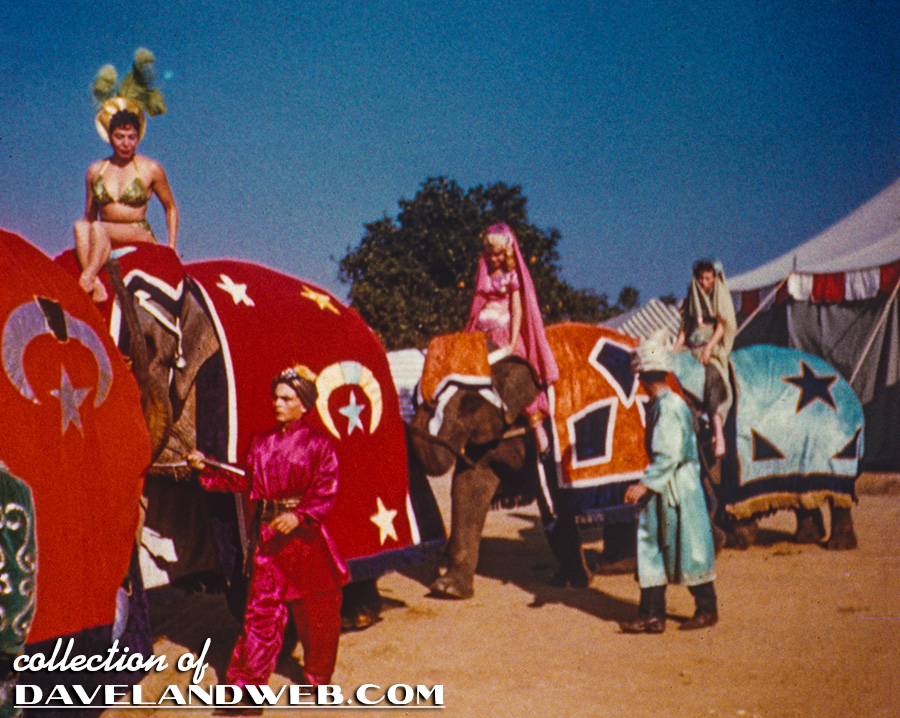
x=795, y=432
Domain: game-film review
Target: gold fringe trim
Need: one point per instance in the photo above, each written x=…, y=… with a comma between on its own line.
x=769, y=503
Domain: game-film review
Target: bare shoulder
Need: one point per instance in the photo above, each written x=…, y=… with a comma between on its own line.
x=149, y=168
x=93, y=172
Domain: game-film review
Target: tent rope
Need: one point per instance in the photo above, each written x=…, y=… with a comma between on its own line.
x=762, y=305
x=881, y=319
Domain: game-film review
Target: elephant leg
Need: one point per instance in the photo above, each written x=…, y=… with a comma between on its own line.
x=619, y=548
x=810, y=526
x=720, y=538
x=843, y=537
x=565, y=542
x=743, y=533
x=360, y=605
x=470, y=495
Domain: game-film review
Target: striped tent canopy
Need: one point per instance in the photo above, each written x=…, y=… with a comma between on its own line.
x=406, y=369
x=645, y=321
x=857, y=258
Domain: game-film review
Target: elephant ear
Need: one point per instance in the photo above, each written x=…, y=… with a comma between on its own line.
x=515, y=382
x=199, y=342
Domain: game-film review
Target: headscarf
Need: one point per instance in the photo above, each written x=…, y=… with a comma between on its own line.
x=699, y=305
x=302, y=380
x=652, y=354
x=537, y=350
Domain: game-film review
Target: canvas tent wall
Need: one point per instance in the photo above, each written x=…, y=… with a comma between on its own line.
x=645, y=321
x=406, y=371
x=835, y=296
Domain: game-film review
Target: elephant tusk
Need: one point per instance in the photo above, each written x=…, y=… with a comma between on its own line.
x=513, y=433
x=225, y=467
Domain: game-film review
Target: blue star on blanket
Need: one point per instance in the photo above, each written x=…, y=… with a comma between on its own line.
x=812, y=387
x=796, y=425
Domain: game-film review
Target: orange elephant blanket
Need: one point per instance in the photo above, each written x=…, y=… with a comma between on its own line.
x=460, y=358
x=598, y=406
x=597, y=402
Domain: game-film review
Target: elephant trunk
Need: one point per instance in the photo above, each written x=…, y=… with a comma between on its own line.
x=155, y=402
x=437, y=457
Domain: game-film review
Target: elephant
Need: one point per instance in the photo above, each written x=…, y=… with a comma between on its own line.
x=215, y=333
x=472, y=422
x=467, y=418
x=794, y=438
x=471, y=438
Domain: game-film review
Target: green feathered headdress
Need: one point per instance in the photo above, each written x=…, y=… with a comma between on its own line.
x=134, y=94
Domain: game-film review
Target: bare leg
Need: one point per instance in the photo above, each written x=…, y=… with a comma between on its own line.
x=715, y=394
x=543, y=441
x=536, y=419
x=82, y=231
x=92, y=249
x=718, y=436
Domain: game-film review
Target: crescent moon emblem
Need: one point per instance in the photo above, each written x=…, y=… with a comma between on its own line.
x=28, y=321
x=348, y=372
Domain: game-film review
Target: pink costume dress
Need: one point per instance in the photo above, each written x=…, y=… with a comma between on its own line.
x=491, y=314
x=297, y=465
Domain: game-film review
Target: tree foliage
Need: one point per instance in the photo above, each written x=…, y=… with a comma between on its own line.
x=411, y=278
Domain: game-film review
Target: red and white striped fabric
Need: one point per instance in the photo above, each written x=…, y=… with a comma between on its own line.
x=826, y=287
x=856, y=258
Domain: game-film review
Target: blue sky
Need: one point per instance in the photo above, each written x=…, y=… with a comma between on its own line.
x=647, y=133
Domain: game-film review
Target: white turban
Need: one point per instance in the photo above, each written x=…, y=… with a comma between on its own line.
x=652, y=355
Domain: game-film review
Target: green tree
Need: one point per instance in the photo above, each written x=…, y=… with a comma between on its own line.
x=411, y=278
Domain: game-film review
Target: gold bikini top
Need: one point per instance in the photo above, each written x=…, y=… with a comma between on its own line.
x=134, y=195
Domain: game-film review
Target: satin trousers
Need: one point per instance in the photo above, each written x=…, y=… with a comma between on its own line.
x=318, y=621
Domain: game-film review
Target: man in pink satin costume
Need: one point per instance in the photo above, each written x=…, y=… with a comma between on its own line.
x=293, y=474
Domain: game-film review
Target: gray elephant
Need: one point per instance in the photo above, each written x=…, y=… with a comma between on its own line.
x=494, y=459
x=210, y=337
x=469, y=419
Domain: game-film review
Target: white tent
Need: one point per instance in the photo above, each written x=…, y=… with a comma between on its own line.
x=866, y=239
x=406, y=371
x=835, y=296
x=645, y=321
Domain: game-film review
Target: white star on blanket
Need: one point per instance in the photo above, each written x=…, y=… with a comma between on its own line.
x=238, y=292
x=384, y=520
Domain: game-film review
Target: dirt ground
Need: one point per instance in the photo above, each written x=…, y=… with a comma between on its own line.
x=803, y=632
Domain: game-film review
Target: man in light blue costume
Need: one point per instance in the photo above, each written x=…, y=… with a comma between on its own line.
x=674, y=541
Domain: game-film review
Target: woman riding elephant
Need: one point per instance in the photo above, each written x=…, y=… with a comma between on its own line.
x=505, y=308
x=119, y=188
x=708, y=329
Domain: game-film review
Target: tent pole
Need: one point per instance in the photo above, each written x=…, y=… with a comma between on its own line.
x=878, y=325
x=762, y=305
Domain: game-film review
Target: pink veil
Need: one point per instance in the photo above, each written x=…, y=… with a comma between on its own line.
x=537, y=350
